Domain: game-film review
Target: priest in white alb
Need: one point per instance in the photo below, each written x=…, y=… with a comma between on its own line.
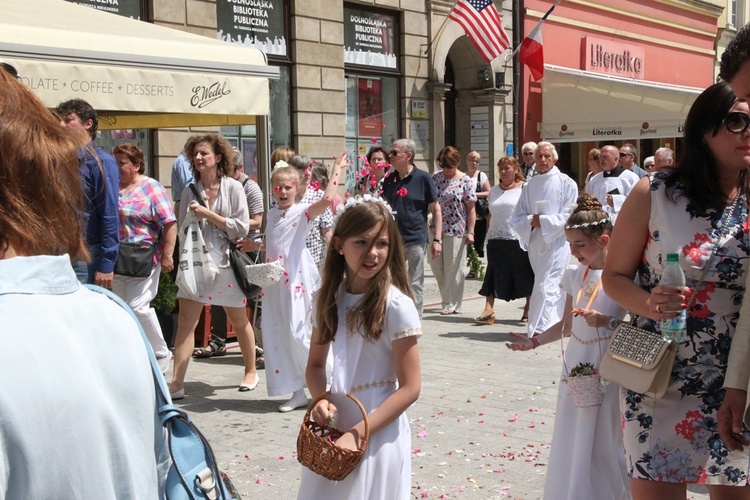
x=546, y=203
x=613, y=184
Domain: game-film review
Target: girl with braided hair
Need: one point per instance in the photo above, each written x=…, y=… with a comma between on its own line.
x=587, y=458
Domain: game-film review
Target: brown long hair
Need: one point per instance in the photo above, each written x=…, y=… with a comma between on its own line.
x=368, y=316
x=41, y=198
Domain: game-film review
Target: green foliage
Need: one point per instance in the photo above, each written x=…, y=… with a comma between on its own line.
x=166, y=295
x=583, y=370
x=475, y=263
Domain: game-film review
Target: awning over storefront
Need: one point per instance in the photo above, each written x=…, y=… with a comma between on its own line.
x=135, y=73
x=580, y=106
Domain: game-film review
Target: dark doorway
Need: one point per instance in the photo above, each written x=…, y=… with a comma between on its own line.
x=450, y=105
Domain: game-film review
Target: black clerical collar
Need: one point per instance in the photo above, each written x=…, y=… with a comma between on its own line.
x=615, y=172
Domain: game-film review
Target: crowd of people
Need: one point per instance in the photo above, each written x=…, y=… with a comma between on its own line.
x=344, y=314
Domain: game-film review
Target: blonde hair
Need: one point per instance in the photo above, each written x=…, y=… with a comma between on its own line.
x=368, y=316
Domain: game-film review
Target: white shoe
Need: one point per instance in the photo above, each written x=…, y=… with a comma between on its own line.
x=298, y=400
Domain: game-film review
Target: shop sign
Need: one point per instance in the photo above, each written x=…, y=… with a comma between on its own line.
x=125, y=8
x=257, y=23
x=370, y=107
x=613, y=58
x=369, y=38
x=625, y=129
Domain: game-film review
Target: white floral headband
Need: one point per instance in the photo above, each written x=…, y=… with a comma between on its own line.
x=280, y=164
x=358, y=200
x=587, y=224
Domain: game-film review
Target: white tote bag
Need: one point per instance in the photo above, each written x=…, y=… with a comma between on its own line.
x=197, y=270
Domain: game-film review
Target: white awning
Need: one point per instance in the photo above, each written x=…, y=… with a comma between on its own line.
x=582, y=106
x=134, y=73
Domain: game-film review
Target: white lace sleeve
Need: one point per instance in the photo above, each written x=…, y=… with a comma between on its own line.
x=401, y=317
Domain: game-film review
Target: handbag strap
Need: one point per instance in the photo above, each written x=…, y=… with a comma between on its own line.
x=168, y=413
x=588, y=305
x=197, y=194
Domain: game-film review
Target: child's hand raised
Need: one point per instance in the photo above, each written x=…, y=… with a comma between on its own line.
x=521, y=343
x=323, y=413
x=342, y=161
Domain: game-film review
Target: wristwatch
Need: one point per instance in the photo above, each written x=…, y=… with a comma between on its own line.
x=612, y=323
x=437, y=240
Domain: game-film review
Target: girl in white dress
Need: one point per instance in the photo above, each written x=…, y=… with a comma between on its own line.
x=286, y=304
x=365, y=314
x=587, y=458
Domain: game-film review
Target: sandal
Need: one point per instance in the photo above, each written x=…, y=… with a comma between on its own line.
x=213, y=349
x=446, y=312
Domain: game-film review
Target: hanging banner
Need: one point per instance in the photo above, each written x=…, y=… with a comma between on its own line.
x=369, y=38
x=125, y=8
x=257, y=23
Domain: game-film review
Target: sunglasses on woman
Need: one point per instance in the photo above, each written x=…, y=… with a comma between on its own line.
x=736, y=122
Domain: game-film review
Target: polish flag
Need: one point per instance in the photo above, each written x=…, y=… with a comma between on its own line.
x=531, y=51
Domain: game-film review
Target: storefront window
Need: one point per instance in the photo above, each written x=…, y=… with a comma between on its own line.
x=372, y=80
x=244, y=137
x=108, y=139
x=371, y=112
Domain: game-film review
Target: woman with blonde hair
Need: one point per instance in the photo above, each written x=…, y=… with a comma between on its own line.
x=482, y=190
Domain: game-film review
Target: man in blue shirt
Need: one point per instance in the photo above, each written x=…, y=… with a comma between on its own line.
x=100, y=177
x=411, y=194
x=182, y=176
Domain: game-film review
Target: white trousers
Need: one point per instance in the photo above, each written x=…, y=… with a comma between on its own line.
x=449, y=269
x=138, y=293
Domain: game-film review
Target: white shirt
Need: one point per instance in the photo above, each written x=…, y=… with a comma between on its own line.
x=77, y=398
x=600, y=186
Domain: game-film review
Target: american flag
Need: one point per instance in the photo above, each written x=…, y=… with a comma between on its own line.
x=482, y=24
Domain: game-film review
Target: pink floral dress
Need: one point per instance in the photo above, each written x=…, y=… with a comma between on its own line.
x=675, y=439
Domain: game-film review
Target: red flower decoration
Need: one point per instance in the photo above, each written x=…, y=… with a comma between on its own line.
x=693, y=250
x=402, y=191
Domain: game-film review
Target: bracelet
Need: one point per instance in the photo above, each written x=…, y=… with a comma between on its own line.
x=470, y=233
x=535, y=341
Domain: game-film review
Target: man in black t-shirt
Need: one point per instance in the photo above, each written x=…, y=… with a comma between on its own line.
x=411, y=194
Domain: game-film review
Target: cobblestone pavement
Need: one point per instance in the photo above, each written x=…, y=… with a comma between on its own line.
x=481, y=428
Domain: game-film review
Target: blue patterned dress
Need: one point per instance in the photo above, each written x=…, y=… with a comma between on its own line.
x=675, y=439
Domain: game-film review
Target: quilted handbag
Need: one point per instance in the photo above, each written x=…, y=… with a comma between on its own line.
x=194, y=473
x=639, y=360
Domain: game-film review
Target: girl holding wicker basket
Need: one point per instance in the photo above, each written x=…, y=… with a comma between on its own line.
x=587, y=458
x=365, y=305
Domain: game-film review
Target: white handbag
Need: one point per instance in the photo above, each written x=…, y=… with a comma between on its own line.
x=196, y=270
x=265, y=274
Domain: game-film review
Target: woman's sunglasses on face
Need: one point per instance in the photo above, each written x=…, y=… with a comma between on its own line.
x=736, y=122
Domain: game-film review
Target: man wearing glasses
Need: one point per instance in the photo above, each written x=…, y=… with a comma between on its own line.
x=527, y=159
x=627, y=160
x=411, y=194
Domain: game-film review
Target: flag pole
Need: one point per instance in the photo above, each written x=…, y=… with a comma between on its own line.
x=544, y=18
x=437, y=36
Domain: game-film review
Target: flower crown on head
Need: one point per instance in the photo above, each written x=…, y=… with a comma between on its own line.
x=358, y=200
x=587, y=224
x=280, y=164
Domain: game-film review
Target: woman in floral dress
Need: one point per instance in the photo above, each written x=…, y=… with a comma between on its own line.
x=699, y=205
x=456, y=198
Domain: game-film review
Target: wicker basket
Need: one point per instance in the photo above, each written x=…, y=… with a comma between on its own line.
x=586, y=390
x=316, y=448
